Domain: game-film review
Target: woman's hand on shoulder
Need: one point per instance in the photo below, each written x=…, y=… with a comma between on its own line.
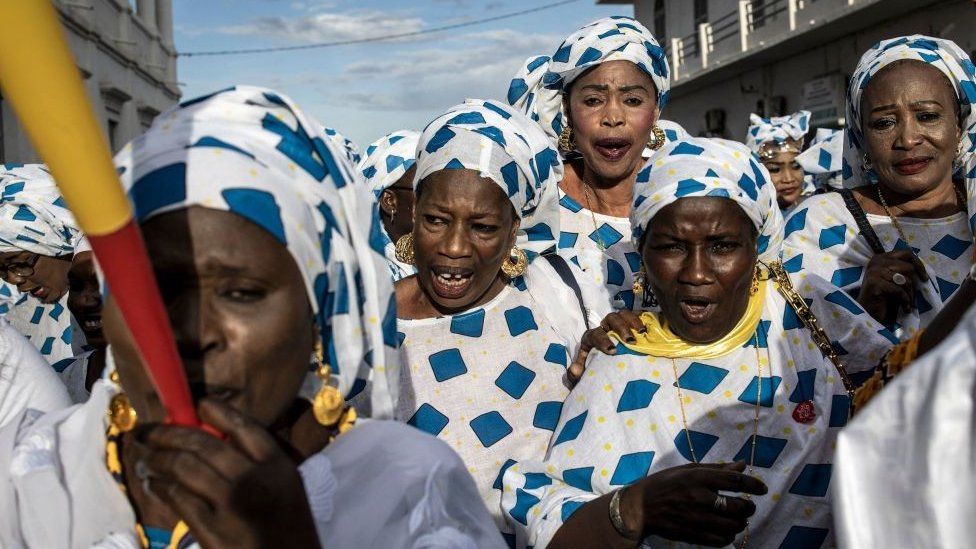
x=622, y=323
x=242, y=492
x=681, y=503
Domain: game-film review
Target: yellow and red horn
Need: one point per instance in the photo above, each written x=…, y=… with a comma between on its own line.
x=40, y=80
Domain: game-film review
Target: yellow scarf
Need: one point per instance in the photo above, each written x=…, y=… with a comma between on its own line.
x=660, y=341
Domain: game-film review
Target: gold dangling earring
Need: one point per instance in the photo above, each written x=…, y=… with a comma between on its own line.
x=328, y=403
x=754, y=287
x=866, y=162
x=516, y=264
x=639, y=282
x=566, y=139
x=121, y=414
x=404, y=249
x=657, y=138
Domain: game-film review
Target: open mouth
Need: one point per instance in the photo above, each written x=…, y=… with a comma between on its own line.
x=911, y=166
x=91, y=324
x=613, y=148
x=697, y=309
x=451, y=282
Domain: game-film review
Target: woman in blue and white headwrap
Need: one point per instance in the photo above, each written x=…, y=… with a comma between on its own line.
x=599, y=98
x=38, y=237
x=716, y=425
x=389, y=169
x=778, y=141
x=822, y=161
x=281, y=305
x=489, y=323
x=899, y=239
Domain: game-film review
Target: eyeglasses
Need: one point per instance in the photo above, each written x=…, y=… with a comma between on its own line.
x=22, y=269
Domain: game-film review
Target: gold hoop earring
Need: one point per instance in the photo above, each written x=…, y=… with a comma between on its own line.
x=566, y=140
x=404, y=249
x=657, y=138
x=866, y=162
x=328, y=404
x=121, y=414
x=754, y=286
x=516, y=264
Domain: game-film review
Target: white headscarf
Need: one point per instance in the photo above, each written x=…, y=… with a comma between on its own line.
x=253, y=152
x=777, y=129
x=388, y=159
x=33, y=216
x=698, y=166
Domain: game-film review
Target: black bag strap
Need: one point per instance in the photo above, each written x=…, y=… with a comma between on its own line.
x=865, y=228
x=562, y=269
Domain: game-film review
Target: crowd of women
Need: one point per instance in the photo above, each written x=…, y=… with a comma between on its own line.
x=558, y=320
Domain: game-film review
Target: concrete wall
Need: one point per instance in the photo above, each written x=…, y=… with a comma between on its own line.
x=127, y=58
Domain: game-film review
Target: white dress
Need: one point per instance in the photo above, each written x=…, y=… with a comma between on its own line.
x=381, y=484
x=623, y=421
x=490, y=381
x=46, y=326
x=822, y=238
x=26, y=380
x=905, y=473
x=601, y=246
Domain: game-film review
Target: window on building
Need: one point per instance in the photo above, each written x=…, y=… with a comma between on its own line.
x=701, y=12
x=660, y=22
x=758, y=13
x=113, y=134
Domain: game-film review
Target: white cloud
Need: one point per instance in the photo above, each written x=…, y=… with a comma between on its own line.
x=478, y=64
x=328, y=27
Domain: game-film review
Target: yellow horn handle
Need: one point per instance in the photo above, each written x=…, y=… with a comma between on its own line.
x=41, y=81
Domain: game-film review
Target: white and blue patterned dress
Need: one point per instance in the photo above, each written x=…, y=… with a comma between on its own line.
x=489, y=382
x=822, y=238
x=46, y=326
x=623, y=421
x=580, y=238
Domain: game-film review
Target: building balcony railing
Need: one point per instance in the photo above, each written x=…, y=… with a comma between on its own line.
x=752, y=26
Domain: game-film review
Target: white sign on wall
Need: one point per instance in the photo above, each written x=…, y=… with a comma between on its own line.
x=824, y=98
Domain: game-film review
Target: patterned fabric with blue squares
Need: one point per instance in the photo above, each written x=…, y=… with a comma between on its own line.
x=777, y=129
x=251, y=151
x=46, y=325
x=602, y=247
x=344, y=144
x=489, y=382
x=537, y=89
x=387, y=160
x=623, y=422
x=822, y=238
x=822, y=161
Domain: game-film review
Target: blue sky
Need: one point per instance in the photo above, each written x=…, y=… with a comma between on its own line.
x=368, y=90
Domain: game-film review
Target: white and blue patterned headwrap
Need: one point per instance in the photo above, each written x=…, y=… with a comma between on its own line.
x=345, y=144
x=33, y=216
x=537, y=89
x=388, y=159
x=823, y=160
x=777, y=129
x=502, y=145
x=941, y=54
x=251, y=151
x=699, y=166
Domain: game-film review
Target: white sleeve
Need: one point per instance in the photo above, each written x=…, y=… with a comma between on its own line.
x=26, y=379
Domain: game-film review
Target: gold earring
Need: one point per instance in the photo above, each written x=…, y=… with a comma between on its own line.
x=404, y=249
x=566, y=140
x=516, y=264
x=657, y=138
x=754, y=287
x=328, y=403
x=639, y=282
x=121, y=414
x=866, y=162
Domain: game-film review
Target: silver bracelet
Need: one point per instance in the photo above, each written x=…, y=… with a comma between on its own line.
x=617, y=520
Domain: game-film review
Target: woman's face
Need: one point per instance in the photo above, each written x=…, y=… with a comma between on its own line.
x=700, y=255
x=85, y=298
x=464, y=229
x=41, y=276
x=239, y=311
x=911, y=128
x=787, y=176
x=396, y=203
x=612, y=109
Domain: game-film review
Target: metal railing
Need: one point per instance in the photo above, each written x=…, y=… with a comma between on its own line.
x=764, y=16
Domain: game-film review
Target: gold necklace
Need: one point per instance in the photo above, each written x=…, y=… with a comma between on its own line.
x=894, y=220
x=755, y=426
x=596, y=229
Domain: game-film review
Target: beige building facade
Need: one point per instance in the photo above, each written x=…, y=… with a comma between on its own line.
x=124, y=50
x=730, y=58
